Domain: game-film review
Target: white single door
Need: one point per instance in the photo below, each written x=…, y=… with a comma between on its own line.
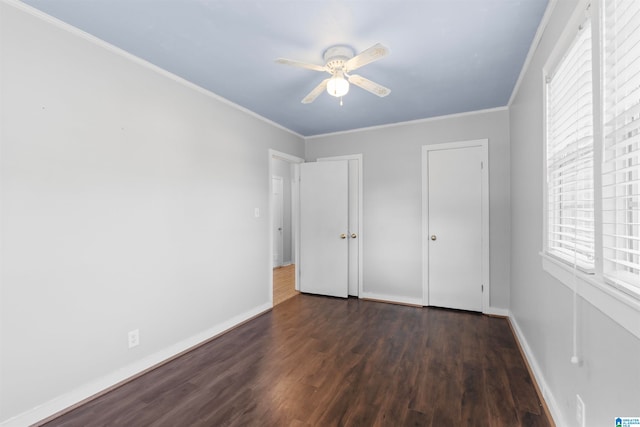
x=324, y=197
x=278, y=221
x=455, y=228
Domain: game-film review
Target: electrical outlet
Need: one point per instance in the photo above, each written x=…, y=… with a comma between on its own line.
x=580, y=411
x=134, y=338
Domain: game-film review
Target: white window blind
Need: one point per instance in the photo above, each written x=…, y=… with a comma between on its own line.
x=570, y=208
x=621, y=161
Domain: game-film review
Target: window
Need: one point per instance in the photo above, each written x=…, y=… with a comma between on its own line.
x=621, y=149
x=592, y=170
x=570, y=207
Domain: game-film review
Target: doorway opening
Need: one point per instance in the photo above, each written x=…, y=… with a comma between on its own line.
x=283, y=216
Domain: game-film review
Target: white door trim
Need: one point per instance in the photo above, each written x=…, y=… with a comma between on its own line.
x=484, y=144
x=357, y=157
x=295, y=207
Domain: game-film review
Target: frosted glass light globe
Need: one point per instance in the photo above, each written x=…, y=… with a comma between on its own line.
x=338, y=86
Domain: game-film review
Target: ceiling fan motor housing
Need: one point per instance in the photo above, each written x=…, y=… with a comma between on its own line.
x=336, y=56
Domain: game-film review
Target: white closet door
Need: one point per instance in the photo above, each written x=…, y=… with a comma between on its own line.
x=455, y=228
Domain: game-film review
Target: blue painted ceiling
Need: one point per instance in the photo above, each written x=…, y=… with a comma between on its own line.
x=447, y=56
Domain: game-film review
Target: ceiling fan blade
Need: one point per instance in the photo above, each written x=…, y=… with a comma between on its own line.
x=369, y=86
x=301, y=64
x=367, y=56
x=315, y=92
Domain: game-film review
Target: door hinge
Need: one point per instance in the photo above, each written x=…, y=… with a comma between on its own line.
x=482, y=288
x=481, y=165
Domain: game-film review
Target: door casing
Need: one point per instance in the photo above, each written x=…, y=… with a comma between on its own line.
x=484, y=145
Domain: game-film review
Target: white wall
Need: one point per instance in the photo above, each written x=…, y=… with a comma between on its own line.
x=392, y=197
x=609, y=378
x=128, y=202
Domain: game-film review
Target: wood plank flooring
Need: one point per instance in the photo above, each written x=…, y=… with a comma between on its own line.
x=284, y=283
x=318, y=361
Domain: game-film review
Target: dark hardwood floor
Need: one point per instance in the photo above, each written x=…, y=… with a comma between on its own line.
x=321, y=361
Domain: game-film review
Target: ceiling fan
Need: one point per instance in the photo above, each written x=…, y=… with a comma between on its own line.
x=339, y=62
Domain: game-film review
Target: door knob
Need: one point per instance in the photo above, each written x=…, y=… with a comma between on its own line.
x=343, y=236
x=354, y=235
x=433, y=237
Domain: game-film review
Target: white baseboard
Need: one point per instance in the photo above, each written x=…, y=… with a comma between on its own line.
x=550, y=400
x=496, y=311
x=392, y=298
x=86, y=391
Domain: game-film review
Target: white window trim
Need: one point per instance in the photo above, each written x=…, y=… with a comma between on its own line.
x=622, y=307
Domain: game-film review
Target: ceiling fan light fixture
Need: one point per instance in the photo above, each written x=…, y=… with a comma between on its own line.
x=337, y=85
